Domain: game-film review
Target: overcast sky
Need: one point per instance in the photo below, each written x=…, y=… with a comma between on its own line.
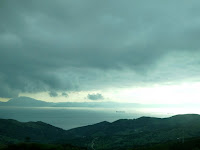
x=100, y=50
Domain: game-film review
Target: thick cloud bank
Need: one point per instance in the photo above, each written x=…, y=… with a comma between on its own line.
x=80, y=45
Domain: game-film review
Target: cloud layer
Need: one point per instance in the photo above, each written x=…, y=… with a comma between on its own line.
x=97, y=96
x=53, y=94
x=89, y=45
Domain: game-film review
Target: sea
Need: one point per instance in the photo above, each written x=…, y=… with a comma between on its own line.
x=73, y=117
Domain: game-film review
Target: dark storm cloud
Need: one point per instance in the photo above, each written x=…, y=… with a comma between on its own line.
x=53, y=94
x=82, y=45
x=95, y=96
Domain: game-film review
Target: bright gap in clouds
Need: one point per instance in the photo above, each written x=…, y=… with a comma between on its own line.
x=161, y=94
x=185, y=93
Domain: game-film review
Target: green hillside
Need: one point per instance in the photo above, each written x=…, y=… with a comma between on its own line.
x=130, y=133
x=12, y=131
x=121, y=134
x=187, y=144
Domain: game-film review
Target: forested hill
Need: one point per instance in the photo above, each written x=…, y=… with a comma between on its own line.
x=13, y=131
x=124, y=133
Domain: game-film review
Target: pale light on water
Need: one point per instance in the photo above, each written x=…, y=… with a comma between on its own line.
x=71, y=117
x=172, y=111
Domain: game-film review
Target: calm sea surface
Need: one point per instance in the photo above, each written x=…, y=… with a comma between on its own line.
x=67, y=118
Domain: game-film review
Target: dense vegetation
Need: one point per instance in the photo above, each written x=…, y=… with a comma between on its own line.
x=137, y=132
x=188, y=144
x=37, y=146
x=121, y=134
x=12, y=131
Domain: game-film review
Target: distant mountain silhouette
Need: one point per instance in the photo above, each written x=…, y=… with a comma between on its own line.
x=25, y=102
x=123, y=133
x=30, y=102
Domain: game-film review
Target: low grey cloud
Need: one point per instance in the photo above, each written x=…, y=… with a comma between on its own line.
x=75, y=46
x=53, y=94
x=95, y=96
x=65, y=94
